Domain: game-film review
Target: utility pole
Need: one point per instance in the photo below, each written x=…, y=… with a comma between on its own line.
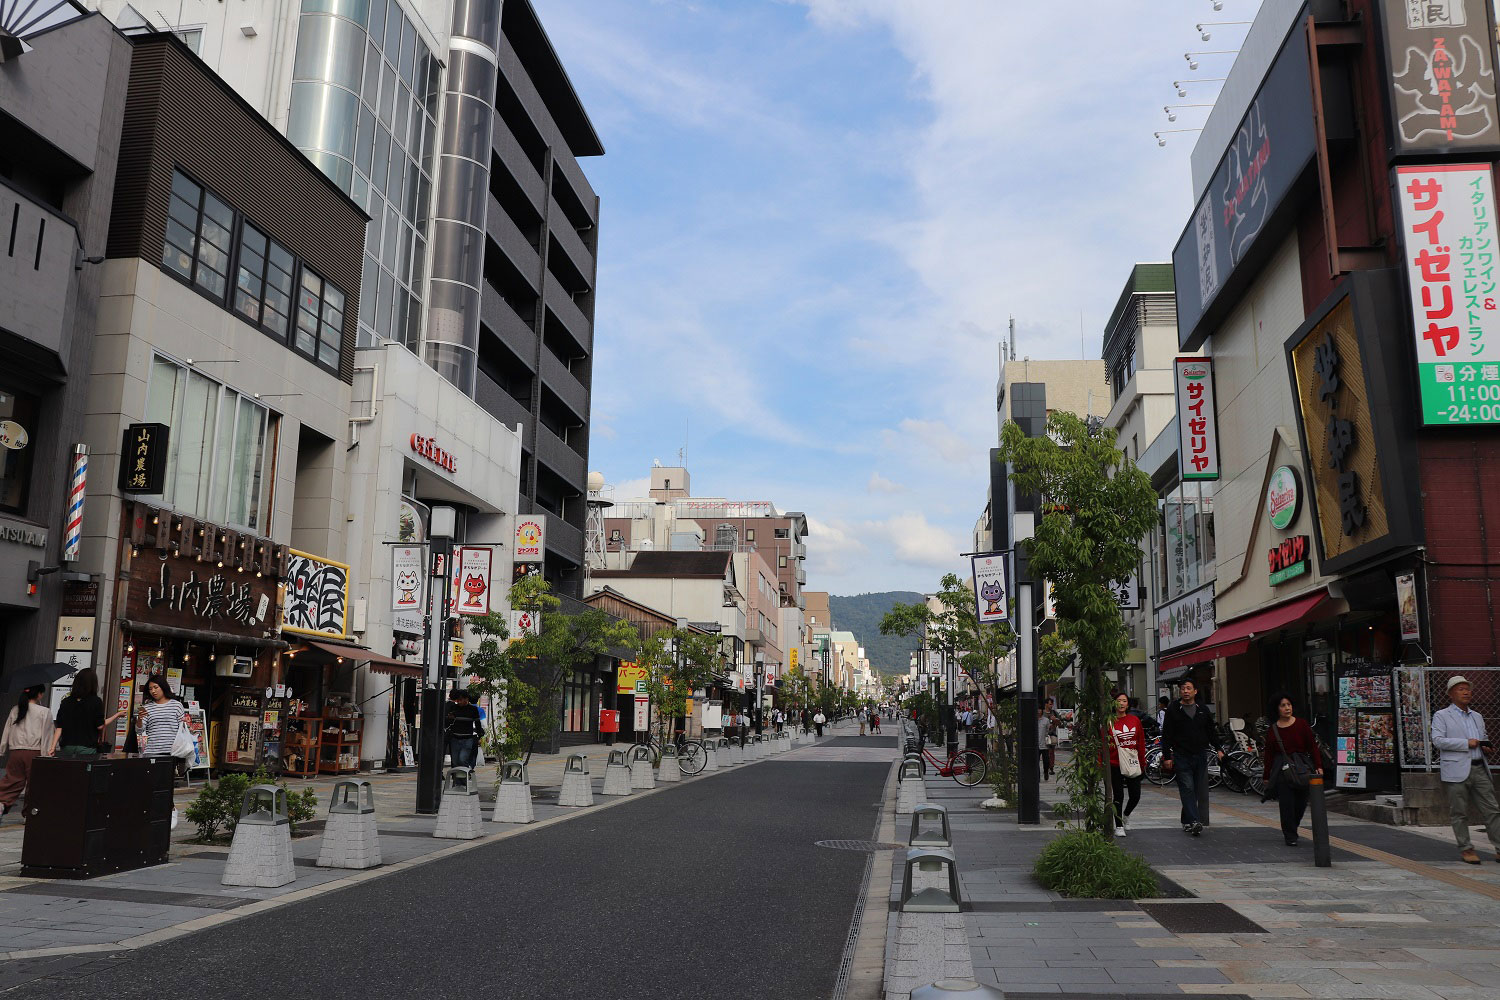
x=1028, y=767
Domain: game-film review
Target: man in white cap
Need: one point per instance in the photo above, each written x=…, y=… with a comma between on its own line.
x=1459, y=735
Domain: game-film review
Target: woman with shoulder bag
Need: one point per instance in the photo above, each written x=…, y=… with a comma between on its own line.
x=1292, y=758
x=27, y=736
x=81, y=719
x=1045, y=730
x=1125, y=740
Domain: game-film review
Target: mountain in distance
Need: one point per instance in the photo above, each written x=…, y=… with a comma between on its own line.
x=861, y=614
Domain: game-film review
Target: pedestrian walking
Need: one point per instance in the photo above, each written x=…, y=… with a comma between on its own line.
x=1045, y=728
x=1161, y=712
x=27, y=736
x=1126, y=742
x=1051, y=742
x=1459, y=734
x=819, y=721
x=863, y=719
x=463, y=728
x=159, y=718
x=874, y=723
x=1292, y=757
x=80, y=717
x=1188, y=735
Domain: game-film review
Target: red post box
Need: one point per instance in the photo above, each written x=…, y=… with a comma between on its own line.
x=609, y=720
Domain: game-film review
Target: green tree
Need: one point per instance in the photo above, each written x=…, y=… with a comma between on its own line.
x=527, y=671
x=677, y=662
x=1096, y=507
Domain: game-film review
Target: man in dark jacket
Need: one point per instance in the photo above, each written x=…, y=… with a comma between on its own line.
x=463, y=729
x=1187, y=736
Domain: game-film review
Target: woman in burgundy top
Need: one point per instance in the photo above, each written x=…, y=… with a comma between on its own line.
x=1124, y=731
x=1288, y=735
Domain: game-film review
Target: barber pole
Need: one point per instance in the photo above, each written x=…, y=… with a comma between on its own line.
x=77, y=480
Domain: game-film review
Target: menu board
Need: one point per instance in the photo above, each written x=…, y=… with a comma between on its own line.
x=1365, y=692
x=1377, y=738
x=1365, y=720
x=1409, y=683
x=242, y=724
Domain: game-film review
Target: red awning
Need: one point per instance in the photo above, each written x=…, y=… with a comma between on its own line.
x=1235, y=637
x=361, y=654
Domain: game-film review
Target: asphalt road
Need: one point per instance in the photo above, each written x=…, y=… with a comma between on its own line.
x=710, y=890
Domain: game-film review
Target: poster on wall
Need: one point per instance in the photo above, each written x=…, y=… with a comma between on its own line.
x=989, y=587
x=1441, y=75
x=1447, y=215
x=317, y=595
x=1197, y=419
x=472, y=583
x=1406, y=607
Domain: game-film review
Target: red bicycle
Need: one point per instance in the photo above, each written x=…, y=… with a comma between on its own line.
x=967, y=767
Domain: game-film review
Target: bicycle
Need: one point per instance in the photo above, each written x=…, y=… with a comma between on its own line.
x=967, y=767
x=690, y=756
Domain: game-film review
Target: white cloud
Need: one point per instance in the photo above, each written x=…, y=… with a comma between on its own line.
x=910, y=538
x=880, y=484
x=930, y=440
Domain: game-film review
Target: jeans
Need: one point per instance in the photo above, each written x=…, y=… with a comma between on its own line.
x=464, y=750
x=1046, y=756
x=1192, y=774
x=1123, y=785
x=1476, y=788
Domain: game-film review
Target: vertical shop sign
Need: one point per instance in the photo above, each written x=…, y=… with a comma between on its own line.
x=989, y=587
x=531, y=539
x=317, y=595
x=1448, y=231
x=1406, y=607
x=472, y=582
x=408, y=582
x=1440, y=71
x=1197, y=420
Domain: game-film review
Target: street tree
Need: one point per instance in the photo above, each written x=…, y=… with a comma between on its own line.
x=677, y=662
x=1096, y=507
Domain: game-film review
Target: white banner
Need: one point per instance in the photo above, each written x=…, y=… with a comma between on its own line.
x=1187, y=620
x=408, y=577
x=530, y=539
x=1127, y=593
x=989, y=587
x=472, y=584
x=1197, y=419
x=524, y=623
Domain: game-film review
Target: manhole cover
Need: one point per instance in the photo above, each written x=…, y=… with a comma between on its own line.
x=869, y=846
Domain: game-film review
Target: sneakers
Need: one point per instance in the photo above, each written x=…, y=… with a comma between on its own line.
x=1195, y=829
x=1119, y=831
x=1125, y=823
x=1468, y=857
x=1187, y=828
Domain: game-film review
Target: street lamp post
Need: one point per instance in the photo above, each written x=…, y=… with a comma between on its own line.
x=1028, y=767
x=434, y=635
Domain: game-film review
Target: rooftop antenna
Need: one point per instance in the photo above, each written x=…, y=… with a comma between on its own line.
x=1013, y=338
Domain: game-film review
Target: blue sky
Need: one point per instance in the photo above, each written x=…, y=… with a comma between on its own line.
x=816, y=217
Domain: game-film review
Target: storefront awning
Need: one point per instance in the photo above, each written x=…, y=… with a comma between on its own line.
x=361, y=654
x=1235, y=637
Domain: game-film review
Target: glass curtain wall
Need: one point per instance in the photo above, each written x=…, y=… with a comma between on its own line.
x=364, y=108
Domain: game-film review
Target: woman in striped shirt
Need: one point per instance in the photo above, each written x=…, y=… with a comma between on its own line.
x=159, y=719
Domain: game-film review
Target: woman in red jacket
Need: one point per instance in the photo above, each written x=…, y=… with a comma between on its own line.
x=1288, y=737
x=1124, y=732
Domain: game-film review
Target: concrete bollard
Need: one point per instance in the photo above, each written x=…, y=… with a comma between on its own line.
x=261, y=853
x=642, y=776
x=928, y=837
x=732, y=752
x=616, y=774
x=670, y=769
x=459, y=817
x=909, y=788
x=956, y=989
x=350, y=839
x=932, y=899
x=577, y=788
x=710, y=755
x=752, y=748
x=513, y=797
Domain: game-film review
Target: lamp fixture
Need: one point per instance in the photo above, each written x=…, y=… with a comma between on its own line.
x=1168, y=131
x=1192, y=64
x=1204, y=31
x=1182, y=90
x=1171, y=117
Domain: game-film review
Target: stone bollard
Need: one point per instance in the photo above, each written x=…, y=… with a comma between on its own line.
x=909, y=788
x=642, y=776
x=261, y=854
x=670, y=770
x=737, y=753
x=458, y=816
x=752, y=748
x=513, y=797
x=710, y=755
x=577, y=788
x=350, y=839
x=616, y=774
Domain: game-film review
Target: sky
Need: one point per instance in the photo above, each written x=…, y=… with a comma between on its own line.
x=817, y=216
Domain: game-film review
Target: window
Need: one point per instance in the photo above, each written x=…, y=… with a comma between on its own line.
x=749, y=534
x=198, y=228
x=781, y=562
x=320, y=320
x=263, y=281
x=191, y=37
x=17, y=427
x=783, y=532
x=221, y=447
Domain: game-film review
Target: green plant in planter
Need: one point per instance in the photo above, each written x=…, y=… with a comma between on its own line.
x=217, y=807
x=1084, y=864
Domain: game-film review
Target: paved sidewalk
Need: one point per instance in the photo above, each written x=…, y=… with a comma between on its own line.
x=41, y=918
x=1397, y=916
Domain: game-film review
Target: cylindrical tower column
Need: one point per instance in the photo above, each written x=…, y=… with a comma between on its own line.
x=463, y=191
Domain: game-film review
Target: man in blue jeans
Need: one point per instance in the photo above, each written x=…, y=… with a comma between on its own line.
x=1188, y=734
x=463, y=729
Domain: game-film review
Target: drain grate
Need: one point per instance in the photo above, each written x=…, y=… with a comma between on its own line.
x=868, y=846
x=1201, y=918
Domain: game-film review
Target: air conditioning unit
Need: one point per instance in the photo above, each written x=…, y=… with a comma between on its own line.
x=230, y=665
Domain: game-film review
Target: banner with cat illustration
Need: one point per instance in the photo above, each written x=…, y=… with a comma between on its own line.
x=989, y=587
x=471, y=584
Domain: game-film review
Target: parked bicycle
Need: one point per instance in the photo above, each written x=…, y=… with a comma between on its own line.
x=690, y=756
x=967, y=767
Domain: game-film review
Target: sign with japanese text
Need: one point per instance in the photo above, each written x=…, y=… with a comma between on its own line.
x=317, y=595
x=408, y=581
x=627, y=675
x=1197, y=420
x=524, y=623
x=1289, y=559
x=989, y=587
x=1127, y=593
x=1187, y=620
x=143, y=458
x=472, y=581
x=1406, y=607
x=795, y=656
x=1448, y=230
x=531, y=539
x=1440, y=71
x=168, y=589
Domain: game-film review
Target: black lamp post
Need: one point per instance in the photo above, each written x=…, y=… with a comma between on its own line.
x=435, y=648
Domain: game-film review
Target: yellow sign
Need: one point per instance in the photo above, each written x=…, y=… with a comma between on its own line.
x=794, y=657
x=628, y=677
x=456, y=653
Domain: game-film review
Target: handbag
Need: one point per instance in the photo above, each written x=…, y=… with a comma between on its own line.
x=184, y=746
x=1295, y=767
x=1130, y=760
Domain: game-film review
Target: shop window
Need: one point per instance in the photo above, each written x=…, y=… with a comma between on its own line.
x=320, y=320
x=198, y=228
x=220, y=448
x=17, y=428
x=263, y=281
